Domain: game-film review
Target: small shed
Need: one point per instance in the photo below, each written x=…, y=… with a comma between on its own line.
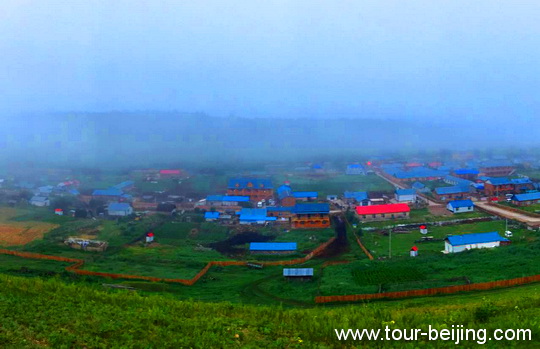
x=414, y=251
x=458, y=206
x=299, y=274
x=272, y=247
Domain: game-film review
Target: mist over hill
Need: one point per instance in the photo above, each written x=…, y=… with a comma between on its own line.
x=116, y=139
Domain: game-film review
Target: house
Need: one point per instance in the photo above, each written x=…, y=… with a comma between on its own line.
x=285, y=195
x=522, y=185
x=211, y=216
x=256, y=188
x=458, y=206
x=496, y=169
x=459, y=243
x=108, y=194
x=307, y=216
x=355, y=169
x=498, y=186
x=415, y=174
x=225, y=200
x=306, y=195
x=170, y=174
x=453, y=180
x=526, y=199
x=466, y=173
x=420, y=187
x=331, y=197
x=298, y=274
x=119, y=209
x=40, y=201
x=405, y=195
x=382, y=212
x=272, y=247
x=255, y=216
x=45, y=190
x=357, y=197
x=126, y=185
x=451, y=193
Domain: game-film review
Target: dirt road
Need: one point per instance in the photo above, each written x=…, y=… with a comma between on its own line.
x=502, y=212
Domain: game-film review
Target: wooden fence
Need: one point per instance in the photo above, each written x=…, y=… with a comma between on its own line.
x=363, y=247
x=431, y=291
x=78, y=263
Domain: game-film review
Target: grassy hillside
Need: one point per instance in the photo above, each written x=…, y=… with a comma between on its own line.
x=37, y=313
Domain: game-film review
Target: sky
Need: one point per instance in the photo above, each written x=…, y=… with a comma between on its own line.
x=421, y=60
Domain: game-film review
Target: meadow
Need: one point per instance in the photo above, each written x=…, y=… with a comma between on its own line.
x=37, y=313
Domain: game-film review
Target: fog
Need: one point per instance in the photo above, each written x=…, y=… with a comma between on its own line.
x=121, y=83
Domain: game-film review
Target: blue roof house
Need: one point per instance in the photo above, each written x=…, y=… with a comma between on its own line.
x=405, y=195
x=211, y=216
x=306, y=195
x=460, y=243
x=355, y=169
x=119, y=209
x=255, y=216
x=526, y=199
x=459, y=206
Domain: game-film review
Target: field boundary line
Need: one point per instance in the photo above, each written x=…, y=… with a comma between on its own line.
x=482, y=286
x=78, y=263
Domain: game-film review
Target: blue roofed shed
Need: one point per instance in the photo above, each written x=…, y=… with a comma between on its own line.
x=405, y=195
x=272, y=247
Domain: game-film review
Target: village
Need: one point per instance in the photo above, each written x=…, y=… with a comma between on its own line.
x=320, y=221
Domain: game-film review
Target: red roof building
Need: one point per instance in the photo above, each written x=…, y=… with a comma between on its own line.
x=382, y=212
x=170, y=173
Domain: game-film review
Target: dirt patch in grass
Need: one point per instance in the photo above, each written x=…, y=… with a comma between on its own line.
x=23, y=233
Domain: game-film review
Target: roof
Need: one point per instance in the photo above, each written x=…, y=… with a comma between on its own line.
x=311, y=208
x=466, y=171
x=279, y=209
x=520, y=181
x=255, y=214
x=499, y=181
x=526, y=197
x=417, y=172
x=118, y=206
x=378, y=209
x=489, y=164
x=177, y=172
x=461, y=203
x=232, y=198
x=124, y=184
x=305, y=194
x=272, y=246
x=284, y=191
x=250, y=182
x=211, y=215
x=39, y=198
x=451, y=190
x=418, y=185
x=405, y=192
x=478, y=238
x=107, y=192
x=357, y=195
x=298, y=272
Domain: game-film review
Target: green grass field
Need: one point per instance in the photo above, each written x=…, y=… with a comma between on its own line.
x=334, y=184
x=378, y=243
x=39, y=313
x=424, y=216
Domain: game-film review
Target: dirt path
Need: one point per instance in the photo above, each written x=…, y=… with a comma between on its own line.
x=500, y=211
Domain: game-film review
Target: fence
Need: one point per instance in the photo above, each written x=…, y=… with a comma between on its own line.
x=363, y=247
x=430, y=291
x=78, y=263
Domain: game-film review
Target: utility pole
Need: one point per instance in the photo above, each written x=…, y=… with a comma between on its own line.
x=390, y=243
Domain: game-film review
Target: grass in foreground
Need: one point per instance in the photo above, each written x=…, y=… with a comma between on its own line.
x=35, y=313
